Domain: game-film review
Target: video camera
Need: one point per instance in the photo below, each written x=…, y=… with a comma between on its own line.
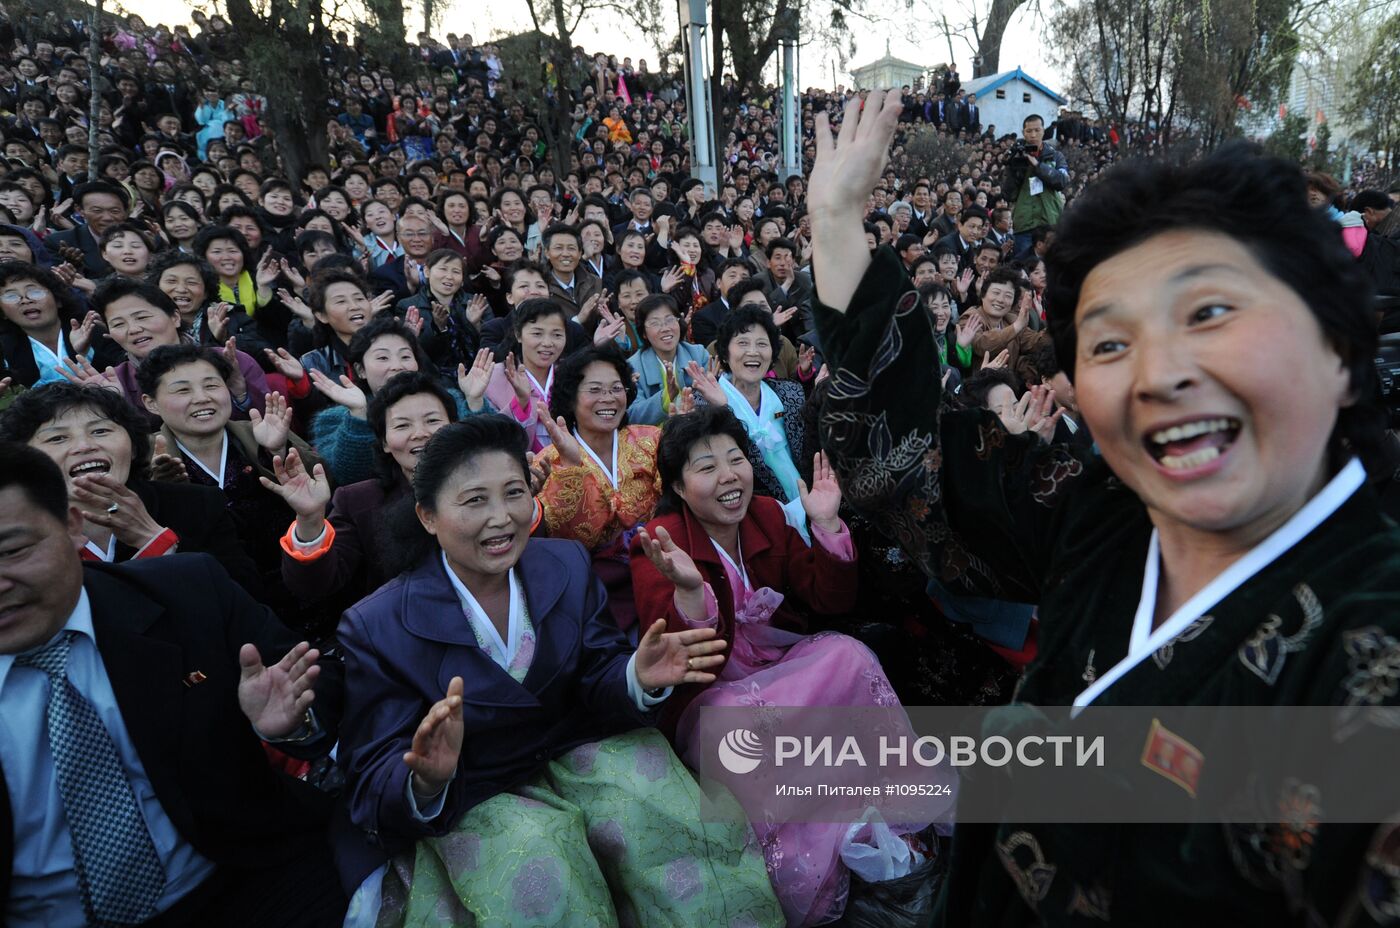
x=1020, y=149
x=1388, y=357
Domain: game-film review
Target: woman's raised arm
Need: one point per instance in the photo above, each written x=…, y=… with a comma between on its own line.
x=973, y=506
x=845, y=172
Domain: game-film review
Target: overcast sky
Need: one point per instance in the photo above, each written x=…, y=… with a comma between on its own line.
x=890, y=20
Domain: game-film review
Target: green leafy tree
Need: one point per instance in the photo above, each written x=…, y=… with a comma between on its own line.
x=281, y=44
x=1173, y=64
x=1374, y=99
x=1289, y=139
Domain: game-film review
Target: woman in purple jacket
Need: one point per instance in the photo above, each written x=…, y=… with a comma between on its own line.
x=498, y=756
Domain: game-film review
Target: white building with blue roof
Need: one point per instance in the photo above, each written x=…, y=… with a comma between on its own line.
x=1008, y=97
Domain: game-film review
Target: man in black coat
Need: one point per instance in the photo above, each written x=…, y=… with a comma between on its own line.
x=972, y=120
x=972, y=228
x=416, y=236
x=134, y=698
x=168, y=94
x=102, y=205
x=957, y=118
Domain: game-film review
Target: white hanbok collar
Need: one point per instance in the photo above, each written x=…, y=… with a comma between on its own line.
x=1145, y=640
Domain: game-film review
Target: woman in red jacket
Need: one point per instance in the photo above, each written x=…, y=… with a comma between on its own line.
x=723, y=558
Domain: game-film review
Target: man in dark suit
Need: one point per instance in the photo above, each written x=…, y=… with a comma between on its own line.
x=705, y=322
x=563, y=248
x=68, y=33
x=972, y=226
x=408, y=272
x=132, y=702
x=168, y=94
x=946, y=222
x=924, y=213
x=1000, y=230
x=973, y=123
x=938, y=109
x=787, y=286
x=640, y=204
x=102, y=205
x=957, y=117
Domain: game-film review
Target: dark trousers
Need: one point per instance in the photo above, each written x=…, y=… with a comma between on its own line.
x=1022, y=248
x=302, y=892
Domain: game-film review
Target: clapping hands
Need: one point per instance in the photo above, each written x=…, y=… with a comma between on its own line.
x=343, y=392
x=473, y=381
x=704, y=382
x=272, y=426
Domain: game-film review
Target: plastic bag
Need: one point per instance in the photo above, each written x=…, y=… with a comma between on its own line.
x=874, y=852
x=906, y=902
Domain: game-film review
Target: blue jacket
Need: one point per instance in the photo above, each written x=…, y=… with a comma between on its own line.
x=646, y=409
x=404, y=643
x=211, y=119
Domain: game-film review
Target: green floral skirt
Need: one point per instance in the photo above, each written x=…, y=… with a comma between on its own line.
x=608, y=834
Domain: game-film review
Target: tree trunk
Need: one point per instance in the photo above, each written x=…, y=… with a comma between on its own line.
x=388, y=40
x=298, y=118
x=285, y=65
x=748, y=55
x=564, y=78
x=94, y=55
x=989, y=43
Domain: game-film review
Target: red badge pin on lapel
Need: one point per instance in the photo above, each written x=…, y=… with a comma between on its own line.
x=195, y=678
x=1173, y=757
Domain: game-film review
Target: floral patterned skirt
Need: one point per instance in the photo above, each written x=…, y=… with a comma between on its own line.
x=772, y=667
x=607, y=835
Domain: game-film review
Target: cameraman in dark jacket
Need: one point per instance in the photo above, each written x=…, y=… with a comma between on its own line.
x=1035, y=176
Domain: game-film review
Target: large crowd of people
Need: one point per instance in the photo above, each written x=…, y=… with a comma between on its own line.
x=371, y=540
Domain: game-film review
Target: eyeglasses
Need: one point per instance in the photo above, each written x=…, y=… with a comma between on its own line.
x=597, y=391
x=35, y=294
x=662, y=322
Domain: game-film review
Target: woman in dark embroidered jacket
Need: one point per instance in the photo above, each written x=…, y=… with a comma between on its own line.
x=1225, y=549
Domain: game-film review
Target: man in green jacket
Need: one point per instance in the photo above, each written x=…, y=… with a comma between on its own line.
x=1036, y=175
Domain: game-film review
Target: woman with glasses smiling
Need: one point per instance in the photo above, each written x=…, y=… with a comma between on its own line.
x=42, y=326
x=659, y=369
x=603, y=482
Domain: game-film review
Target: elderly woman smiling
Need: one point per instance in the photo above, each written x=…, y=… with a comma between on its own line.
x=497, y=743
x=602, y=482
x=104, y=450
x=1226, y=549
x=42, y=325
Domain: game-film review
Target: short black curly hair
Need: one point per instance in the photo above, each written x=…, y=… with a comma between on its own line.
x=173, y=257
x=568, y=377
x=386, y=323
x=168, y=357
x=681, y=433
x=31, y=410
x=399, y=386
x=741, y=319
x=211, y=234
x=1260, y=202
x=977, y=388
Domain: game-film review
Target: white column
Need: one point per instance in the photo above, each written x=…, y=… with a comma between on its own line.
x=695, y=27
